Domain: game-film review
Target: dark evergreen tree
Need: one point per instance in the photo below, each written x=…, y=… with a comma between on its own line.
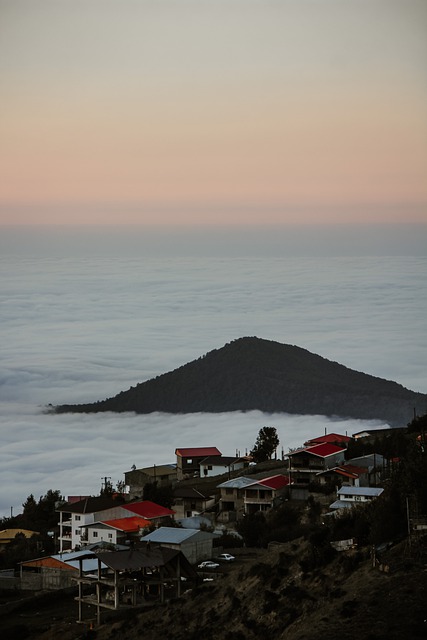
x=265, y=445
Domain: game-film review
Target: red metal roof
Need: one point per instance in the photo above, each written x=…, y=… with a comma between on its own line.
x=197, y=452
x=321, y=450
x=274, y=482
x=148, y=509
x=331, y=438
x=132, y=524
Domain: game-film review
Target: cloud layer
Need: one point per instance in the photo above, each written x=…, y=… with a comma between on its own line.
x=79, y=324
x=73, y=453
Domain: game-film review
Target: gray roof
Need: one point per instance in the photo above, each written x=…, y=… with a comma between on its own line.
x=175, y=535
x=367, y=461
x=360, y=491
x=236, y=483
x=157, y=470
x=342, y=504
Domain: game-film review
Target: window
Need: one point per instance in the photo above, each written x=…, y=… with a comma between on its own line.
x=78, y=518
x=229, y=492
x=95, y=534
x=77, y=532
x=110, y=535
x=189, y=461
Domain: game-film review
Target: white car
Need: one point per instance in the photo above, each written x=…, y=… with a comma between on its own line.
x=225, y=557
x=208, y=564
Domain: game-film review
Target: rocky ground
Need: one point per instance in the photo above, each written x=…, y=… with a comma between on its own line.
x=288, y=592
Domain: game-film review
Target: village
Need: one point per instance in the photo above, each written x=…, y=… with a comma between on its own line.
x=125, y=551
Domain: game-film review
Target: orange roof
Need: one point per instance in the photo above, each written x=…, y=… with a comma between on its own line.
x=7, y=535
x=133, y=523
x=51, y=563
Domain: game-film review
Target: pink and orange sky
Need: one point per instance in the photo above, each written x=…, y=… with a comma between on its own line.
x=202, y=111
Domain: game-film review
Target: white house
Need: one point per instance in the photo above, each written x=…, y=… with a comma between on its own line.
x=116, y=531
x=351, y=496
x=217, y=466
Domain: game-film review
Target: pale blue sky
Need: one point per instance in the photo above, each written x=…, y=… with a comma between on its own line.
x=142, y=111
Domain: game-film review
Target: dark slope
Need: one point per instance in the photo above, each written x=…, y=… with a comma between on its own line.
x=251, y=373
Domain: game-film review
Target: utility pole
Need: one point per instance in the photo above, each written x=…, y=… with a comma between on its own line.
x=105, y=484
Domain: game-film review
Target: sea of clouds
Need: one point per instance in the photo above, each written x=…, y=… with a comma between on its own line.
x=85, y=315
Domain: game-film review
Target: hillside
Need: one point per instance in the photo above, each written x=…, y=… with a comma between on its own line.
x=255, y=374
x=278, y=593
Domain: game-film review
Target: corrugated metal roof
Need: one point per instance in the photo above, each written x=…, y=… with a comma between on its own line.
x=175, y=535
x=236, y=483
x=135, y=559
x=67, y=561
x=341, y=504
x=320, y=450
x=134, y=523
x=48, y=562
x=273, y=482
x=190, y=492
x=360, y=491
x=197, y=452
x=92, y=504
x=331, y=438
x=157, y=470
x=148, y=509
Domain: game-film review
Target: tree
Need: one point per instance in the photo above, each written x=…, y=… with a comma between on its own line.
x=265, y=445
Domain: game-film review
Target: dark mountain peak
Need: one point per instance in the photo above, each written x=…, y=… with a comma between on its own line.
x=252, y=373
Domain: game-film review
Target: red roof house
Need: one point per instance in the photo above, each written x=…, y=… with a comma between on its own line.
x=261, y=494
x=329, y=438
x=306, y=463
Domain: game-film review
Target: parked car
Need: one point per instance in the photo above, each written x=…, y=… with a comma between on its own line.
x=208, y=564
x=225, y=557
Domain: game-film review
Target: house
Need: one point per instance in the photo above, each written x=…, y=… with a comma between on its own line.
x=348, y=474
x=188, y=460
x=56, y=571
x=232, y=498
x=8, y=535
x=196, y=545
x=189, y=502
x=117, y=531
x=133, y=578
x=74, y=517
x=73, y=514
x=262, y=495
x=307, y=462
x=329, y=438
x=214, y=466
x=163, y=475
x=374, y=465
x=351, y=496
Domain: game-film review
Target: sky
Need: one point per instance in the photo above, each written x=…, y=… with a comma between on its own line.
x=230, y=112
